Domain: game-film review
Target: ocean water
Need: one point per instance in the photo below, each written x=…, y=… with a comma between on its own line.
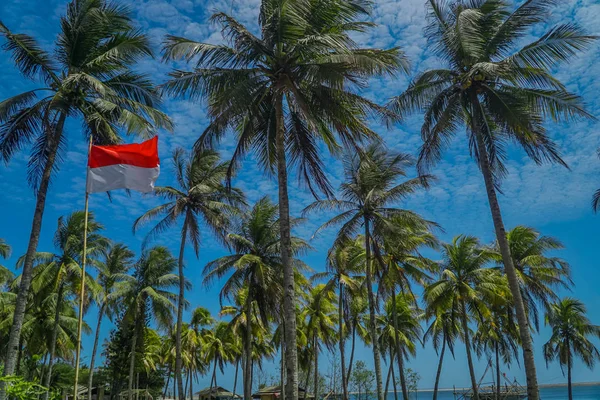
x=554, y=393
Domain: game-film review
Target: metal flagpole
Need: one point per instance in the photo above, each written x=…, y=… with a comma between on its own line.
x=82, y=288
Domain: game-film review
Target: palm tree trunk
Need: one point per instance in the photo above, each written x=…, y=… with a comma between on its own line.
x=353, y=346
x=214, y=378
x=342, y=343
x=465, y=327
x=511, y=274
x=235, y=379
x=186, y=386
x=95, y=349
x=393, y=381
x=132, y=360
x=569, y=371
x=289, y=292
x=248, y=350
x=167, y=384
x=48, y=376
x=389, y=374
x=137, y=386
x=282, y=366
x=20, y=356
x=316, y=373
x=307, y=380
x=180, y=299
x=191, y=385
x=372, y=327
x=497, y=350
x=399, y=354
x=12, y=346
x=439, y=368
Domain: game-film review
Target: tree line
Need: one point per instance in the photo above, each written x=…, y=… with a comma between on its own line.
x=283, y=94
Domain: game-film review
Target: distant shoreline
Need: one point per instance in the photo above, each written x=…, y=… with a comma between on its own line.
x=542, y=386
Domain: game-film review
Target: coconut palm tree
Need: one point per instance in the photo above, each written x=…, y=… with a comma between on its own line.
x=539, y=274
x=368, y=194
x=219, y=348
x=200, y=199
x=283, y=92
x=88, y=77
x=400, y=330
x=443, y=330
x=256, y=264
x=571, y=333
x=501, y=92
x=344, y=263
x=5, y=274
x=148, y=295
x=60, y=273
x=111, y=269
x=465, y=287
x=321, y=319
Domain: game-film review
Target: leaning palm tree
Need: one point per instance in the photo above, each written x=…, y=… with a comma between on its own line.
x=60, y=273
x=88, y=77
x=111, y=269
x=5, y=274
x=539, y=274
x=255, y=263
x=465, y=287
x=148, y=295
x=443, y=330
x=283, y=92
x=500, y=92
x=202, y=198
x=571, y=333
x=371, y=188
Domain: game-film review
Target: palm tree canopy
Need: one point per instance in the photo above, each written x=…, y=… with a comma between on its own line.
x=201, y=194
x=113, y=268
x=89, y=75
x=5, y=274
x=409, y=331
x=571, y=333
x=305, y=57
x=491, y=80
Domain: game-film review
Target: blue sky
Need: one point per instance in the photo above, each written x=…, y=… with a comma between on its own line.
x=552, y=199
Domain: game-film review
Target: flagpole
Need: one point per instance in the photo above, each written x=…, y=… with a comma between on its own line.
x=82, y=288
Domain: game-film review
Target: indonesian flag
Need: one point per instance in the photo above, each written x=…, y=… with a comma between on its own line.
x=128, y=166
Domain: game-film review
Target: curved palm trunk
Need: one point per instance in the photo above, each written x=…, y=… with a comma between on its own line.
x=178, y=373
x=511, y=274
x=12, y=346
x=393, y=381
x=352, y=347
x=465, y=327
x=235, y=379
x=439, y=368
x=497, y=350
x=213, y=381
x=372, y=326
x=289, y=292
x=342, y=343
x=95, y=349
x=248, y=351
x=399, y=354
x=48, y=376
x=389, y=374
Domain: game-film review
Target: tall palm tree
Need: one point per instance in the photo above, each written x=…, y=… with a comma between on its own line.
x=201, y=195
x=60, y=273
x=571, y=332
x=283, y=92
x=148, y=295
x=539, y=274
x=219, y=348
x=116, y=263
x=255, y=263
x=368, y=194
x=321, y=319
x=465, y=287
x=344, y=263
x=500, y=92
x=88, y=77
x=5, y=274
x=400, y=330
x=443, y=330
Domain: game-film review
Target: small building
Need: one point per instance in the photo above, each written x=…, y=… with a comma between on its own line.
x=274, y=393
x=216, y=393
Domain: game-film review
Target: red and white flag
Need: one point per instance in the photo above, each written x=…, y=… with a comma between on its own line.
x=128, y=166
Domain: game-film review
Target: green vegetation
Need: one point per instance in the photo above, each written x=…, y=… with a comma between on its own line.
x=288, y=93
